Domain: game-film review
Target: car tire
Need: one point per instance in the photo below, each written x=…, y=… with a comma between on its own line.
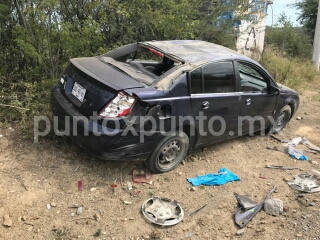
x=281, y=120
x=168, y=153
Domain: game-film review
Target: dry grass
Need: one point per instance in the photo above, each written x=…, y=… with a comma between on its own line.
x=292, y=72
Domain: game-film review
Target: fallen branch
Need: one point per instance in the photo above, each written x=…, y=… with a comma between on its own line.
x=6, y=105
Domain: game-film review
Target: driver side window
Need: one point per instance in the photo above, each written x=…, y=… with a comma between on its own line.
x=250, y=79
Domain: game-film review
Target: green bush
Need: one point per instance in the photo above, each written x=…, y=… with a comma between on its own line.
x=21, y=101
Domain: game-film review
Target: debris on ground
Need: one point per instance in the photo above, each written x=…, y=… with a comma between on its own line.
x=192, y=189
x=7, y=222
x=79, y=210
x=273, y=207
x=221, y=178
x=305, y=142
x=162, y=211
x=242, y=217
x=296, y=153
x=240, y=232
x=145, y=178
x=129, y=185
x=280, y=140
x=140, y=177
x=305, y=183
x=245, y=202
x=80, y=186
x=48, y=206
x=315, y=172
x=281, y=167
x=196, y=211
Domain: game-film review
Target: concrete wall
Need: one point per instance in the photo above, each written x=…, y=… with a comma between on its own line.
x=251, y=33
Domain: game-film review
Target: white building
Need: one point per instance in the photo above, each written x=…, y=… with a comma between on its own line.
x=251, y=32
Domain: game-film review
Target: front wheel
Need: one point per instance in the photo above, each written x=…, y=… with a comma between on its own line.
x=281, y=120
x=168, y=153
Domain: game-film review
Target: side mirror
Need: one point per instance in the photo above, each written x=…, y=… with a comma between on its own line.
x=274, y=90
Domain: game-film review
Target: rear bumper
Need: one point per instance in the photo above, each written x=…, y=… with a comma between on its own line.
x=109, y=143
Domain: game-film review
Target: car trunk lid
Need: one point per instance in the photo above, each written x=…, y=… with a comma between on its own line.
x=90, y=84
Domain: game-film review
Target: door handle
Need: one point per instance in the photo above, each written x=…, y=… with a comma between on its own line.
x=248, y=101
x=205, y=105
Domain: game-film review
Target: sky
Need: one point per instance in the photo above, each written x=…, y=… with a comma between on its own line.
x=280, y=6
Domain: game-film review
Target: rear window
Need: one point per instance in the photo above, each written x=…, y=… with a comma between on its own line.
x=144, y=64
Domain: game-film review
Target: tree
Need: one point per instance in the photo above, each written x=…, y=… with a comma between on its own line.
x=287, y=39
x=307, y=15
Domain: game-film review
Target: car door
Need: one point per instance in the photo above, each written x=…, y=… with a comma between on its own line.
x=214, y=101
x=257, y=101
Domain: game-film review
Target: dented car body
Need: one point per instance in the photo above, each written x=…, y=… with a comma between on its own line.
x=155, y=100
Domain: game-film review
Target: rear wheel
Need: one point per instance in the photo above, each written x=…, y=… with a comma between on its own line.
x=168, y=153
x=281, y=120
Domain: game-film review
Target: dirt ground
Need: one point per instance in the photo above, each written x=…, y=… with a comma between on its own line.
x=35, y=175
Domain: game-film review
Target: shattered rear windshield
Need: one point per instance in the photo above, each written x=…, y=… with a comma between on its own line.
x=144, y=64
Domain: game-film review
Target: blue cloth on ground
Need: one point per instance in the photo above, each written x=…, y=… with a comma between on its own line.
x=302, y=157
x=210, y=179
x=296, y=153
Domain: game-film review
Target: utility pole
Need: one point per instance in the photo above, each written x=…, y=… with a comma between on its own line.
x=316, y=42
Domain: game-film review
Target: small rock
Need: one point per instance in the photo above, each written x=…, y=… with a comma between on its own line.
x=48, y=206
x=96, y=216
x=273, y=207
x=7, y=221
x=263, y=222
x=79, y=210
x=286, y=179
x=183, y=162
x=194, y=159
x=298, y=118
x=312, y=204
x=1, y=135
x=93, y=189
x=299, y=235
x=179, y=173
x=11, y=129
x=192, y=189
x=53, y=204
x=314, y=162
x=304, y=217
x=72, y=215
x=129, y=185
x=240, y=232
x=127, y=202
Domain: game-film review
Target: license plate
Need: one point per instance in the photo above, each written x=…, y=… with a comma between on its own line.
x=78, y=91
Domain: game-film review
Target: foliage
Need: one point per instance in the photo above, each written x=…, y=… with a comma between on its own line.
x=38, y=37
x=307, y=15
x=292, y=72
x=287, y=39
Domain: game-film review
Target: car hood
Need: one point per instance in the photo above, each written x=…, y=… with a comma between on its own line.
x=105, y=73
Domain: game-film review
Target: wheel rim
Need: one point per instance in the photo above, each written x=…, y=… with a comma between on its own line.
x=170, y=153
x=280, y=119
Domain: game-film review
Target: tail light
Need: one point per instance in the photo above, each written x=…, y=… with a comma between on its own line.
x=119, y=106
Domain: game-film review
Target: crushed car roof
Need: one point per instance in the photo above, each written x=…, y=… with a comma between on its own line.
x=196, y=51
